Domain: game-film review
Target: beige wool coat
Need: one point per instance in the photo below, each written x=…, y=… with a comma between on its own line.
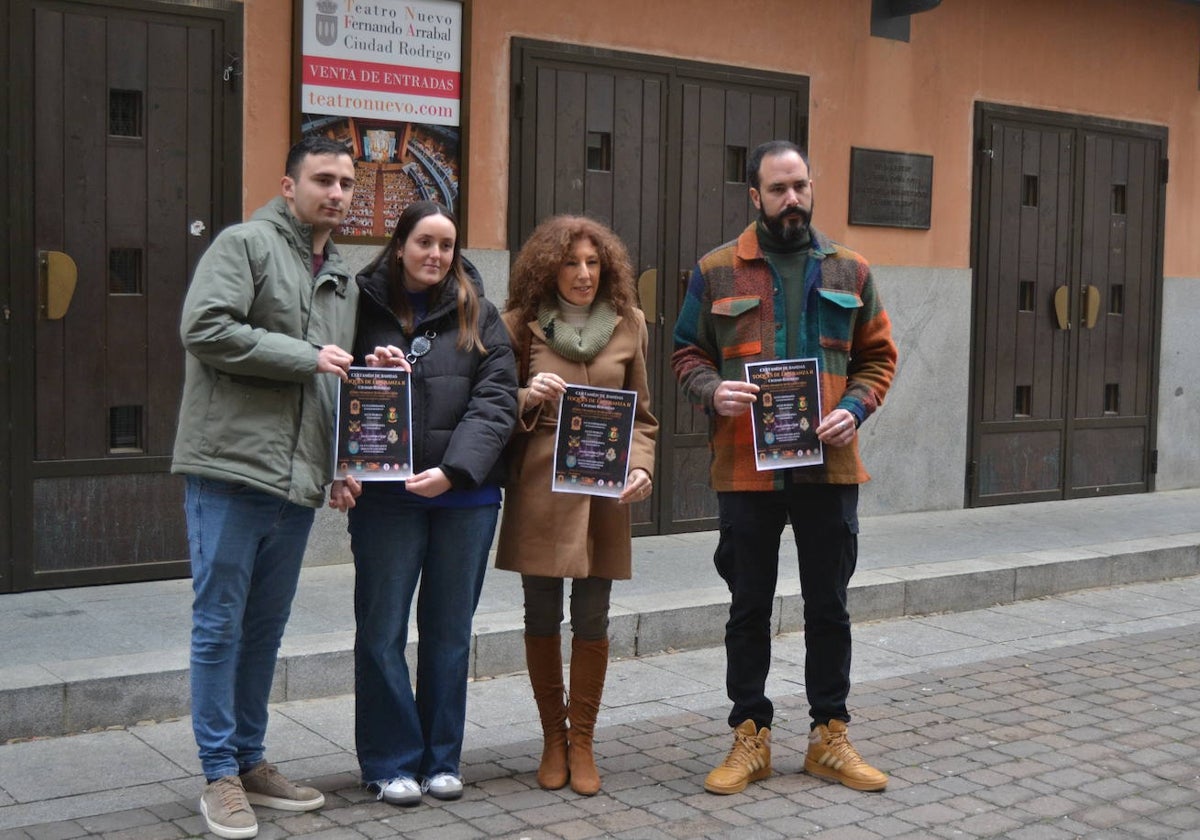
x=571, y=535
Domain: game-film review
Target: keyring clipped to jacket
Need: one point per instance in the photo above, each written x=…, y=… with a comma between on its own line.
x=421, y=345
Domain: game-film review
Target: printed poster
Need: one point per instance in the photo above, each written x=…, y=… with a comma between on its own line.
x=385, y=78
x=374, y=425
x=595, y=432
x=786, y=414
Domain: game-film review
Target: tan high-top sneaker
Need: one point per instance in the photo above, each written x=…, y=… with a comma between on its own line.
x=748, y=761
x=832, y=756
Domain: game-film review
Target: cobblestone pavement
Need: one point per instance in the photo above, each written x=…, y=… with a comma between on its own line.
x=1098, y=739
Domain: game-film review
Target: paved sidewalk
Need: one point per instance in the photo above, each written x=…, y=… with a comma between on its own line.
x=1069, y=716
x=78, y=659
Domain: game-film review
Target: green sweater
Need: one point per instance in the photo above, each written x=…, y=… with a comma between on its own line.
x=790, y=261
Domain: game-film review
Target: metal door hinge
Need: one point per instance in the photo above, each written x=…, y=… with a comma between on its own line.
x=1165, y=165
x=7, y=313
x=1153, y=462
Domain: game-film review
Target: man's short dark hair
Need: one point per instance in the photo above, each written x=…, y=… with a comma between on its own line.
x=313, y=144
x=769, y=149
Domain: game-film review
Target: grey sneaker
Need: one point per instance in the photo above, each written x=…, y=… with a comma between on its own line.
x=226, y=810
x=443, y=786
x=403, y=790
x=265, y=785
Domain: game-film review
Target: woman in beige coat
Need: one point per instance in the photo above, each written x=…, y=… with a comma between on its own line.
x=573, y=319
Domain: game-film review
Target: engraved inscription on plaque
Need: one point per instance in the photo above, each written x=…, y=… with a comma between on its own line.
x=892, y=189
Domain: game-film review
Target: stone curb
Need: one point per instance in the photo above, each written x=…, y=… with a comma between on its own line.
x=57, y=698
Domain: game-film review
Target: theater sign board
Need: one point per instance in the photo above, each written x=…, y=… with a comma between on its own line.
x=384, y=77
x=383, y=59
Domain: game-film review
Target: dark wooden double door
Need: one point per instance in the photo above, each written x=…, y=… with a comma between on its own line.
x=125, y=144
x=655, y=148
x=1068, y=279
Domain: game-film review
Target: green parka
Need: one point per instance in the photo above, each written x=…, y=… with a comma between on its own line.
x=254, y=409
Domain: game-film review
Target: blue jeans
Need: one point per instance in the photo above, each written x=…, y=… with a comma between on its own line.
x=246, y=547
x=394, y=544
x=824, y=521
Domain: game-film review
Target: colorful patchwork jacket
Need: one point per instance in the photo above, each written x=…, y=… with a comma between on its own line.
x=734, y=313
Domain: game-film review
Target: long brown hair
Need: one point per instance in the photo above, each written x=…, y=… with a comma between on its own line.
x=534, y=276
x=468, y=297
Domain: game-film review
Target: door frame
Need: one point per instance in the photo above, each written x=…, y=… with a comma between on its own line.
x=1079, y=124
x=674, y=72
x=14, y=222
x=19, y=260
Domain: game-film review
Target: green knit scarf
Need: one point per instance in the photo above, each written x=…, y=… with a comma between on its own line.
x=573, y=344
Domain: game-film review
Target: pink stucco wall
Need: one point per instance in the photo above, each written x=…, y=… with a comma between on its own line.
x=1107, y=58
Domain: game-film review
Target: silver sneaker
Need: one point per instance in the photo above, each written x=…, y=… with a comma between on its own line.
x=443, y=786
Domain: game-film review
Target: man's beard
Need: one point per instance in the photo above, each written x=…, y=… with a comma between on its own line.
x=790, y=225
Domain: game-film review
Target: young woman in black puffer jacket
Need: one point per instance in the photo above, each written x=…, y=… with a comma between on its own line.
x=421, y=306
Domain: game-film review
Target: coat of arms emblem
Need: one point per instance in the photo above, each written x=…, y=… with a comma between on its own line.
x=326, y=22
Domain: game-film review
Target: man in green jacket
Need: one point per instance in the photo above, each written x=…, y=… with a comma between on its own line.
x=269, y=313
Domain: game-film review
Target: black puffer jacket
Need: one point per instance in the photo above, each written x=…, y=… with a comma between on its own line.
x=464, y=403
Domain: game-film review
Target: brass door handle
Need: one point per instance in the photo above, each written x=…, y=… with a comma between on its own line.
x=1091, y=306
x=1062, y=307
x=647, y=285
x=58, y=276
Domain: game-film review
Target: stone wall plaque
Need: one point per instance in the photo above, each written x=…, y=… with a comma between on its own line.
x=890, y=189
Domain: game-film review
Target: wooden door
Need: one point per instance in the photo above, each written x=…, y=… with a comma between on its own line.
x=656, y=148
x=132, y=144
x=1110, y=440
x=720, y=122
x=587, y=139
x=1068, y=277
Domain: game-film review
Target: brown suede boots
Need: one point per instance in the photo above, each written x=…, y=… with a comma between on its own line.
x=543, y=656
x=567, y=753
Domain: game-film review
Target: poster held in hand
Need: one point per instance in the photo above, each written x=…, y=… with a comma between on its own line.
x=374, y=425
x=595, y=432
x=786, y=413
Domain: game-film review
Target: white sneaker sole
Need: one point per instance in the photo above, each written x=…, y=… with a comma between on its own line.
x=446, y=795
x=226, y=831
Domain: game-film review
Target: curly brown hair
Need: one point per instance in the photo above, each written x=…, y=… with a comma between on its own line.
x=534, y=276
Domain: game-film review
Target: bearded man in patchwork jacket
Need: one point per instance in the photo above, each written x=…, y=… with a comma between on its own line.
x=782, y=290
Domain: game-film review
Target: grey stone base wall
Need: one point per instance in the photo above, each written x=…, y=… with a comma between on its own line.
x=915, y=446
x=1179, y=387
